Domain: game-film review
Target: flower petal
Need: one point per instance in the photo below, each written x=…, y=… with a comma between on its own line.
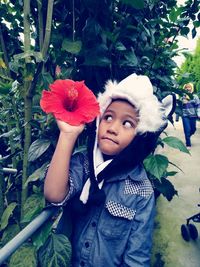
x=59, y=87
x=50, y=103
x=73, y=118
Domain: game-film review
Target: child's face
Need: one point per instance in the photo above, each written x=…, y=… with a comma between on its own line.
x=117, y=127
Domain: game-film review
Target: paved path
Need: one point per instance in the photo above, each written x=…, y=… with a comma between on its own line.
x=170, y=250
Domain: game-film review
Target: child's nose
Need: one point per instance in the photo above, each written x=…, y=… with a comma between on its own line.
x=114, y=127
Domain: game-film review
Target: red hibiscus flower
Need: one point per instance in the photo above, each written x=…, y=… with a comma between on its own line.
x=70, y=101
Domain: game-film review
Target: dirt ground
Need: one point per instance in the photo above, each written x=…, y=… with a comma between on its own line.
x=170, y=250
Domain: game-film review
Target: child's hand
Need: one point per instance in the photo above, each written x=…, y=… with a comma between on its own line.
x=69, y=129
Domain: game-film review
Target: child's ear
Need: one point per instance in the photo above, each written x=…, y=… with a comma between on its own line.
x=169, y=105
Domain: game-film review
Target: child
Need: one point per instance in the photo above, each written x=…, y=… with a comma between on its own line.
x=189, y=115
x=115, y=223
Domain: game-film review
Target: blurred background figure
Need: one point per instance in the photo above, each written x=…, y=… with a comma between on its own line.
x=189, y=116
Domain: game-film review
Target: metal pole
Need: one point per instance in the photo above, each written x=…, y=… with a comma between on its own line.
x=22, y=236
x=9, y=170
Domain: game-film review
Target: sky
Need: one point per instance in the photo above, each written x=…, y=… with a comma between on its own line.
x=186, y=42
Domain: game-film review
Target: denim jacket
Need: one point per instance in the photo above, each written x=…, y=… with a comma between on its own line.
x=117, y=233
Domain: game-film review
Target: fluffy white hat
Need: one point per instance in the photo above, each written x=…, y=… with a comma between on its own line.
x=138, y=90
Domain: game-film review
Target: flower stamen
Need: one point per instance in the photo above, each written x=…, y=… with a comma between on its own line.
x=72, y=97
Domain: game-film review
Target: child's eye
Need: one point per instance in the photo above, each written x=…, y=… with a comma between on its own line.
x=108, y=118
x=128, y=124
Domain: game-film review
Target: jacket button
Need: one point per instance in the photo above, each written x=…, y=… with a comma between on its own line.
x=82, y=263
x=94, y=224
x=87, y=244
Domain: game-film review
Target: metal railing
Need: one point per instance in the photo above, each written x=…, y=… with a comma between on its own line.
x=22, y=236
x=9, y=170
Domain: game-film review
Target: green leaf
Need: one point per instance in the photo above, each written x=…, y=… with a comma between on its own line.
x=11, y=231
x=71, y=47
x=120, y=47
x=7, y=214
x=36, y=189
x=175, y=143
x=32, y=207
x=97, y=56
x=80, y=149
x=47, y=79
x=37, y=55
x=37, y=148
x=137, y=4
x=194, y=32
x=156, y=165
x=172, y=173
x=173, y=15
x=165, y=187
x=196, y=24
x=94, y=61
x=25, y=256
x=37, y=174
x=8, y=134
x=185, y=30
x=40, y=237
x=131, y=59
x=56, y=251
x=5, y=88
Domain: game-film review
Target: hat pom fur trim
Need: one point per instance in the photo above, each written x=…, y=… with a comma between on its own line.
x=138, y=90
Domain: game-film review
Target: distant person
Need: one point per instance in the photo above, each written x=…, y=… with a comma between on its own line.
x=189, y=116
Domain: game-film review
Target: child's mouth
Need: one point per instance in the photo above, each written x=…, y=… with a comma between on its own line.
x=110, y=140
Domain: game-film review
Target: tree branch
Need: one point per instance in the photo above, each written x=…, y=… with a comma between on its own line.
x=48, y=28
x=27, y=39
x=41, y=24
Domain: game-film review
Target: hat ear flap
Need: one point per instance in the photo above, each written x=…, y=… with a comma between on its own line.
x=169, y=105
